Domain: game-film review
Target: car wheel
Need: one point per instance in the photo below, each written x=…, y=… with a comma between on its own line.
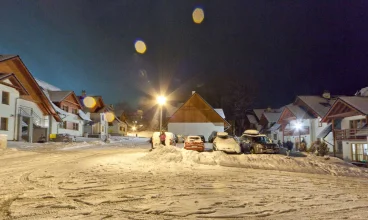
x=252, y=151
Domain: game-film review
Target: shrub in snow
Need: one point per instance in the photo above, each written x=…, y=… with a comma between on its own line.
x=323, y=149
x=319, y=148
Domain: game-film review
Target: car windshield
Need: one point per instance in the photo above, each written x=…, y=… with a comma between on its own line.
x=262, y=139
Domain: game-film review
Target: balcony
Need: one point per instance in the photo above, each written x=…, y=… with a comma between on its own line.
x=351, y=134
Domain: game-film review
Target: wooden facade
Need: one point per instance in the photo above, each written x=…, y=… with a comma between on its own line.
x=70, y=104
x=16, y=66
x=197, y=110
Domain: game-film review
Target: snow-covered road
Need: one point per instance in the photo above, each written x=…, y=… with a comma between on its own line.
x=124, y=182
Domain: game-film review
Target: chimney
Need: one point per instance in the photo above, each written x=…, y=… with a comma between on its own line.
x=193, y=92
x=326, y=94
x=83, y=93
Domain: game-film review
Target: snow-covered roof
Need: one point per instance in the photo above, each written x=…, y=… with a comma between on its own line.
x=318, y=104
x=47, y=86
x=362, y=92
x=325, y=131
x=274, y=127
x=259, y=113
x=252, y=119
x=6, y=57
x=220, y=112
x=272, y=116
x=360, y=103
x=58, y=96
x=83, y=115
x=60, y=111
x=299, y=112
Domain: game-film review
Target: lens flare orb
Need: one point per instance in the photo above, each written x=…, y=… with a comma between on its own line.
x=140, y=47
x=198, y=15
x=89, y=102
x=110, y=117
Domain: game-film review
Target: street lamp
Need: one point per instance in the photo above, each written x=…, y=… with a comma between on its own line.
x=161, y=100
x=298, y=127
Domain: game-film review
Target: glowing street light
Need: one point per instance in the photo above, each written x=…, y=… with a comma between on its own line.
x=298, y=127
x=134, y=128
x=161, y=100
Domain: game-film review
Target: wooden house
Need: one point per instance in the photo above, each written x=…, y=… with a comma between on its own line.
x=196, y=117
x=26, y=112
x=349, y=117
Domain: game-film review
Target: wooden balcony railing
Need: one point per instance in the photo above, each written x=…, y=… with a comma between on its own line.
x=351, y=134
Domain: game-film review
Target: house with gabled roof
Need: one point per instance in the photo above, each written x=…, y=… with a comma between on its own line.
x=348, y=117
x=301, y=120
x=269, y=124
x=197, y=117
x=26, y=112
x=100, y=126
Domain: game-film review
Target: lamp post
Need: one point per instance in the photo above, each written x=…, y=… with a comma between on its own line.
x=298, y=127
x=161, y=100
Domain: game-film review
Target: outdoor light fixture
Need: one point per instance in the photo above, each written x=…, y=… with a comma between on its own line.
x=161, y=100
x=298, y=125
x=134, y=128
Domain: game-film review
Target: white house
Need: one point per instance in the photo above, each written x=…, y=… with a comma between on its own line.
x=301, y=120
x=349, y=117
x=197, y=117
x=69, y=108
x=25, y=111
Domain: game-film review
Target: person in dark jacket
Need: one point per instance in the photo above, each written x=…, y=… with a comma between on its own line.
x=289, y=146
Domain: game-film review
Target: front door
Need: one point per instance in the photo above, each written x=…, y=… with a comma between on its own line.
x=359, y=152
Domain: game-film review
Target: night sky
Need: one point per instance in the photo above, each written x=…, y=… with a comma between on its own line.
x=287, y=48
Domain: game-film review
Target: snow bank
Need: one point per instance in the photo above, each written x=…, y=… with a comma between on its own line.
x=307, y=164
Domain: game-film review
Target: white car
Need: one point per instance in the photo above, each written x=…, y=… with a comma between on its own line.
x=223, y=142
x=169, y=141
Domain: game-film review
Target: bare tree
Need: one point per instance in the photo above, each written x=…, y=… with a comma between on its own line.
x=239, y=96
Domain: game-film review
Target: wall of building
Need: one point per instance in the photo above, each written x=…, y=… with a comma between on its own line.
x=204, y=129
x=115, y=128
x=70, y=119
x=8, y=111
x=346, y=144
x=295, y=137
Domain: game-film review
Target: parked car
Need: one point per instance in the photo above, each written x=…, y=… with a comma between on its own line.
x=169, y=141
x=253, y=142
x=212, y=136
x=194, y=143
x=202, y=138
x=226, y=143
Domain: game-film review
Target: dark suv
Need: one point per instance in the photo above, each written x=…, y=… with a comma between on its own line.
x=256, y=144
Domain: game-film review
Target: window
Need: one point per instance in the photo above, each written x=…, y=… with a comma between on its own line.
x=5, y=98
x=65, y=108
x=121, y=128
x=357, y=124
x=75, y=126
x=63, y=125
x=3, y=124
x=74, y=111
x=275, y=136
x=359, y=152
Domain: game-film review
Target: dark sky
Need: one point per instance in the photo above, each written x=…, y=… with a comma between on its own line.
x=287, y=47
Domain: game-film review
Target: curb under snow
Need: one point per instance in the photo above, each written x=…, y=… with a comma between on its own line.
x=309, y=164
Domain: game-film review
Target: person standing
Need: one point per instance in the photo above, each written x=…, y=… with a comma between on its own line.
x=163, y=138
x=289, y=146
